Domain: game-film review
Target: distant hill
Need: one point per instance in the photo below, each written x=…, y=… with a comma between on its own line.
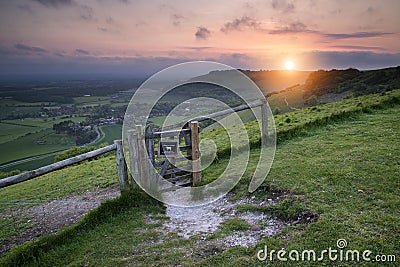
x=329, y=86
x=277, y=80
x=268, y=80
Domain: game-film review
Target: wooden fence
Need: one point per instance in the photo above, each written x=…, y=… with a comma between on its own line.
x=122, y=172
x=174, y=151
x=147, y=145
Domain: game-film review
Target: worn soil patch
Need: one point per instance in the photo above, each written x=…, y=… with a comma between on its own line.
x=205, y=220
x=57, y=214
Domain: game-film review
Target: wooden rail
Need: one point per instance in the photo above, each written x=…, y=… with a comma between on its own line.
x=122, y=173
x=216, y=114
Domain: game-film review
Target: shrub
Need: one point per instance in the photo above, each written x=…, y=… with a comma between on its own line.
x=75, y=151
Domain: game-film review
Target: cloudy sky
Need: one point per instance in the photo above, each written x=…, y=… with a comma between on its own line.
x=140, y=37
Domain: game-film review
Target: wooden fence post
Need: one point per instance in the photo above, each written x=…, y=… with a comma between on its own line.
x=264, y=124
x=133, y=157
x=196, y=165
x=150, y=142
x=123, y=177
x=146, y=175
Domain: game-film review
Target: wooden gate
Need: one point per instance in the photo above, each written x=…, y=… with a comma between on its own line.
x=174, y=151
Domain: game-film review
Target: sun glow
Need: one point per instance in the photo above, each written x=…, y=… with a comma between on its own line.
x=289, y=65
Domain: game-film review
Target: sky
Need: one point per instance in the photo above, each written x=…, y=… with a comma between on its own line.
x=140, y=37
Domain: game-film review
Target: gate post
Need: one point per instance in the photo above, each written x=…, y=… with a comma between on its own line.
x=123, y=177
x=196, y=165
x=264, y=124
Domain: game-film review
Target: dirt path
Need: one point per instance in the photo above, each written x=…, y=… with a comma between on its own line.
x=205, y=220
x=57, y=214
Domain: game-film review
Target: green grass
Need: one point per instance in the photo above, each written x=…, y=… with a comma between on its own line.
x=73, y=180
x=12, y=129
x=131, y=206
x=294, y=99
x=299, y=122
x=157, y=121
x=109, y=133
x=30, y=164
x=7, y=108
x=38, y=143
x=346, y=171
x=91, y=100
x=43, y=122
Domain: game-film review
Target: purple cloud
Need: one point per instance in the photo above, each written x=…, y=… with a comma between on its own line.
x=202, y=33
x=30, y=48
x=240, y=24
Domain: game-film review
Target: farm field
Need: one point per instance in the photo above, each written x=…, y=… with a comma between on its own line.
x=33, y=137
x=37, y=143
x=12, y=129
x=109, y=133
x=341, y=170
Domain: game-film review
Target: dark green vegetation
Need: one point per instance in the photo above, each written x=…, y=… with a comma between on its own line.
x=63, y=92
x=268, y=80
x=330, y=86
x=342, y=166
x=75, y=151
x=358, y=82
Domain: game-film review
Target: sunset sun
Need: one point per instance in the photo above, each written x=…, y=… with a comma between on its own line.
x=289, y=65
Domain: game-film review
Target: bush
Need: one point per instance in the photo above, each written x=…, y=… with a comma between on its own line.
x=8, y=174
x=75, y=151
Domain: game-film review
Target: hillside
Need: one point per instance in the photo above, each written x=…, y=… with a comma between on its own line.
x=329, y=86
x=335, y=175
x=267, y=80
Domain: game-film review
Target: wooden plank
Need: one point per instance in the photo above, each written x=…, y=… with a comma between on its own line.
x=181, y=177
x=184, y=158
x=188, y=142
x=216, y=114
x=175, y=170
x=133, y=155
x=196, y=166
x=141, y=153
x=164, y=167
x=227, y=111
x=264, y=124
x=150, y=142
x=166, y=133
x=53, y=167
x=159, y=163
x=122, y=169
x=184, y=148
x=184, y=182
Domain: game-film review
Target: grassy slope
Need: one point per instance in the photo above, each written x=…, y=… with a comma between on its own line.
x=328, y=166
x=72, y=180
